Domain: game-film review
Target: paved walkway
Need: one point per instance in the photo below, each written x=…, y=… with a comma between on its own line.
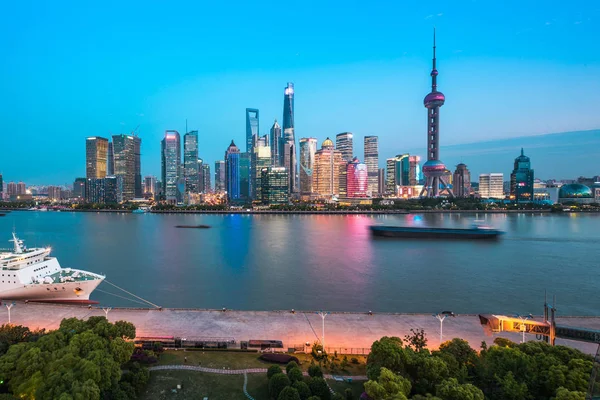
x=241, y=371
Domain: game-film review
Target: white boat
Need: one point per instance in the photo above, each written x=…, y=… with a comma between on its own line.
x=31, y=274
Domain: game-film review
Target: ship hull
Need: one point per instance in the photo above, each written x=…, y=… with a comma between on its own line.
x=434, y=233
x=53, y=292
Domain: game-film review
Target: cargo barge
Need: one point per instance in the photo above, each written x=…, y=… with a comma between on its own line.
x=476, y=232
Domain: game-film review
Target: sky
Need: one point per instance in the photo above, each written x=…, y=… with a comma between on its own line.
x=72, y=69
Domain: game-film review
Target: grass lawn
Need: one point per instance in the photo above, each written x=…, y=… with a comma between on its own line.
x=351, y=369
x=194, y=385
x=357, y=387
x=213, y=359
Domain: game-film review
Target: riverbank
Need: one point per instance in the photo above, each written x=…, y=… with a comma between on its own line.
x=344, y=332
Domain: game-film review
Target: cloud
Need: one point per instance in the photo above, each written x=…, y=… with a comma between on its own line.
x=440, y=14
x=457, y=51
x=429, y=16
x=121, y=123
x=578, y=22
x=548, y=23
x=434, y=15
x=140, y=114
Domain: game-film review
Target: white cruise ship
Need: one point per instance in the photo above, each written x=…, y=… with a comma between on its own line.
x=31, y=274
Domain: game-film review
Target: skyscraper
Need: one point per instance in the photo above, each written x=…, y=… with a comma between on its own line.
x=251, y=127
x=461, y=182
x=206, y=181
x=289, y=139
x=372, y=162
x=113, y=189
x=190, y=162
x=79, y=189
x=357, y=179
x=54, y=193
x=220, y=180
x=274, y=186
x=96, y=154
x=94, y=190
x=245, y=181
x=276, y=141
x=434, y=169
x=137, y=152
x=390, y=177
x=521, y=180
x=343, y=142
x=110, y=163
x=21, y=188
x=150, y=186
x=308, y=149
x=170, y=160
x=381, y=182
x=491, y=186
x=261, y=158
x=232, y=172
x=124, y=153
x=1, y=188
x=326, y=176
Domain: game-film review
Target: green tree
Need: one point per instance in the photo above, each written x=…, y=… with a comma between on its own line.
x=388, y=386
x=450, y=389
x=315, y=371
x=303, y=389
x=13, y=334
x=290, y=365
x=295, y=374
x=277, y=383
x=348, y=394
x=288, y=393
x=511, y=389
x=387, y=352
x=337, y=396
x=314, y=398
x=318, y=387
x=429, y=371
x=417, y=340
x=565, y=394
x=273, y=369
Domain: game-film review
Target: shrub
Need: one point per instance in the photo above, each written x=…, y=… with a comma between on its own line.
x=302, y=389
x=290, y=365
x=289, y=393
x=348, y=393
x=278, y=358
x=337, y=396
x=295, y=374
x=315, y=371
x=277, y=383
x=273, y=369
x=354, y=360
x=318, y=387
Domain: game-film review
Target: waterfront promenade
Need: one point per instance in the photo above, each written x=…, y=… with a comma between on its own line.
x=342, y=330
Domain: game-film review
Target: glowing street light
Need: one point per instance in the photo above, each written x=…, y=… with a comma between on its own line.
x=441, y=317
x=323, y=314
x=523, y=326
x=9, y=306
x=106, y=310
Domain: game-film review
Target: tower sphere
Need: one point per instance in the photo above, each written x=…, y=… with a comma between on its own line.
x=434, y=99
x=434, y=168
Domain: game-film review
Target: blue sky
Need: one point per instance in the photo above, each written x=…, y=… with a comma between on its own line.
x=76, y=69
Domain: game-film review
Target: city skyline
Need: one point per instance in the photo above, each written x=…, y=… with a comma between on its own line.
x=544, y=63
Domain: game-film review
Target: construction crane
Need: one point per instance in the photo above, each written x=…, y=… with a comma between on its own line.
x=133, y=131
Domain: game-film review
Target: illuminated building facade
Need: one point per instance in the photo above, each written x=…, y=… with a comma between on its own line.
x=461, y=182
x=232, y=172
x=288, y=148
x=170, y=168
x=308, y=150
x=150, y=186
x=205, y=184
x=113, y=189
x=343, y=142
x=521, y=180
x=220, y=180
x=491, y=186
x=96, y=157
x=124, y=154
x=275, y=142
x=356, y=178
x=434, y=169
x=94, y=190
x=274, y=186
x=79, y=189
x=261, y=158
x=251, y=127
x=110, y=163
x=54, y=193
x=381, y=182
x=328, y=164
x=190, y=162
x=372, y=162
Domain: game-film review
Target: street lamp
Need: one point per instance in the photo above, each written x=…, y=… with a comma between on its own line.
x=523, y=326
x=9, y=306
x=323, y=314
x=106, y=310
x=441, y=317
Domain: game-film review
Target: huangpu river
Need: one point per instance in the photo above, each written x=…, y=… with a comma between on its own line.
x=326, y=262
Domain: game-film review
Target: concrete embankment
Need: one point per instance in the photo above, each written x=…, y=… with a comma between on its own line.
x=342, y=330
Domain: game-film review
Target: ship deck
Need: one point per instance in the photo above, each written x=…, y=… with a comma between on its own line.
x=82, y=276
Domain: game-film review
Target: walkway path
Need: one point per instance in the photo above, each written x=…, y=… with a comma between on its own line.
x=240, y=371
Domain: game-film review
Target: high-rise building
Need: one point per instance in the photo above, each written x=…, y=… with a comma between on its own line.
x=1, y=188
x=124, y=154
x=521, y=180
x=96, y=154
x=113, y=189
x=381, y=182
x=54, y=193
x=390, y=177
x=94, y=190
x=232, y=172
x=461, y=182
x=343, y=142
x=434, y=169
x=326, y=176
x=79, y=189
x=289, y=139
x=276, y=139
x=21, y=188
x=170, y=160
x=150, y=186
x=357, y=179
x=372, y=162
x=274, y=186
x=308, y=149
x=110, y=162
x=220, y=180
x=205, y=179
x=491, y=186
x=245, y=181
x=251, y=127
x=11, y=189
x=137, y=154
x=261, y=158
x=414, y=172
x=190, y=162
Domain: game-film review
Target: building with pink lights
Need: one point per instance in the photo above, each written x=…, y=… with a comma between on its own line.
x=356, y=179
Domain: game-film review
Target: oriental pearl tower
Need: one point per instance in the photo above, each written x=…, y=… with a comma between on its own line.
x=434, y=170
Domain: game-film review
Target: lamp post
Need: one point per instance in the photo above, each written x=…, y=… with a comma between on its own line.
x=523, y=326
x=323, y=314
x=106, y=310
x=9, y=306
x=441, y=317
